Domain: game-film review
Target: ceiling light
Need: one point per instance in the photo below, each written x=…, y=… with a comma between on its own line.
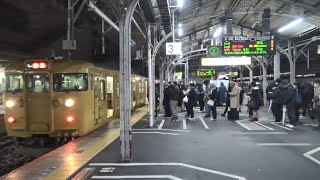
x=180, y=3
x=291, y=24
x=217, y=32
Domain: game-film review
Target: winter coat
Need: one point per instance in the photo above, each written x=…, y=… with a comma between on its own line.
x=276, y=95
x=317, y=96
x=174, y=93
x=222, y=94
x=235, y=97
x=214, y=96
x=255, y=97
x=307, y=95
x=166, y=98
x=192, y=97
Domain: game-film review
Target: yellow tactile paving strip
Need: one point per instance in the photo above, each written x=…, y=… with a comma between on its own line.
x=72, y=156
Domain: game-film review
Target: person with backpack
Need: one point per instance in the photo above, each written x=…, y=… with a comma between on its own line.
x=289, y=101
x=255, y=98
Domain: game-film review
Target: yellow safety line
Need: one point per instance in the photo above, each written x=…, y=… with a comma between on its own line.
x=66, y=170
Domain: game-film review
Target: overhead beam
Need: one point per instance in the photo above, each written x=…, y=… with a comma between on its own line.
x=254, y=8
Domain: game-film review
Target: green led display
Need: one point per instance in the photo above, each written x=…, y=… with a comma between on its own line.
x=248, y=45
x=205, y=73
x=214, y=50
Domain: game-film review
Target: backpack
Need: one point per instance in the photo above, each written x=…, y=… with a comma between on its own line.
x=298, y=98
x=284, y=96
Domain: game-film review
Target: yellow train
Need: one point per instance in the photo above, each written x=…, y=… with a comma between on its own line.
x=46, y=98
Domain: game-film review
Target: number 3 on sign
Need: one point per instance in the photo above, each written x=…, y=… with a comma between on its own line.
x=173, y=48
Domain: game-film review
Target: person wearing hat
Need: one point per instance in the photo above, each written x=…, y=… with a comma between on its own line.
x=316, y=100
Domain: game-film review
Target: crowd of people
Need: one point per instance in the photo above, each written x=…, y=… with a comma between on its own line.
x=281, y=95
x=206, y=95
x=292, y=98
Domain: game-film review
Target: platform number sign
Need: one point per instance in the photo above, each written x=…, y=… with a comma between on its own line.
x=173, y=48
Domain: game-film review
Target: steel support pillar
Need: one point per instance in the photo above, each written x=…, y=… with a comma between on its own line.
x=102, y=37
x=187, y=71
x=264, y=78
x=125, y=80
x=250, y=73
x=161, y=86
x=151, y=81
x=276, y=65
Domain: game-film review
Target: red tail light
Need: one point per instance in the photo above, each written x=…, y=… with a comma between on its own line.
x=11, y=120
x=39, y=65
x=70, y=119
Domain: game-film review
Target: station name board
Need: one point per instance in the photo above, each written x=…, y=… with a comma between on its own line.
x=205, y=73
x=248, y=45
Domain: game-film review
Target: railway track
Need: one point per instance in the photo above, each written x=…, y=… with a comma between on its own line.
x=6, y=141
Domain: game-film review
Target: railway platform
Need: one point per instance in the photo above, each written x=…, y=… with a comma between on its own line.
x=185, y=149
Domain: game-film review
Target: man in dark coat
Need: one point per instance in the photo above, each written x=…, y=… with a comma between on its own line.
x=222, y=93
x=192, y=101
x=166, y=100
x=174, y=98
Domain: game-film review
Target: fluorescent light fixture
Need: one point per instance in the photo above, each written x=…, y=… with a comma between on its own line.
x=180, y=32
x=218, y=32
x=291, y=24
x=226, y=61
x=180, y=3
x=179, y=25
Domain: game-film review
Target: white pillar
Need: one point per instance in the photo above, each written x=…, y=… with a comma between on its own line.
x=276, y=65
x=151, y=81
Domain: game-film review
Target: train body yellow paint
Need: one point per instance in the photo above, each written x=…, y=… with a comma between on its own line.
x=63, y=98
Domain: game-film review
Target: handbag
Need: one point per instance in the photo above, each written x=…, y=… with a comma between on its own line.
x=251, y=105
x=185, y=99
x=210, y=102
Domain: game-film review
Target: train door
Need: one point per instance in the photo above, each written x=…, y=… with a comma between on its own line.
x=110, y=96
x=96, y=99
x=38, y=103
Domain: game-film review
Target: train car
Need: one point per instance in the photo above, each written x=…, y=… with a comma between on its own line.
x=46, y=98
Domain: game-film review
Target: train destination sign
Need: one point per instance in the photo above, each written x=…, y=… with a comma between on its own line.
x=205, y=73
x=248, y=45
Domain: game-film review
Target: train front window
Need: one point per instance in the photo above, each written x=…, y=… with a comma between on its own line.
x=70, y=82
x=14, y=83
x=38, y=83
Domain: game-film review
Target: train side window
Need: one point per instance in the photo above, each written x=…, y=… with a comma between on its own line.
x=102, y=90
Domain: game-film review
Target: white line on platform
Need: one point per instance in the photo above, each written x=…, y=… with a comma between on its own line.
x=264, y=133
x=170, y=164
x=314, y=125
x=161, y=124
x=243, y=125
x=184, y=124
x=283, y=144
x=138, y=177
x=174, y=134
x=308, y=155
x=204, y=123
x=176, y=130
x=283, y=127
x=267, y=127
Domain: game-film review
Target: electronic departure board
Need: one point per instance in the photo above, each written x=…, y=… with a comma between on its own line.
x=205, y=73
x=248, y=45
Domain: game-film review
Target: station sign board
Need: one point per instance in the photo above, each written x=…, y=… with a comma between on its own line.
x=173, y=48
x=226, y=61
x=248, y=45
x=205, y=73
x=214, y=51
x=178, y=74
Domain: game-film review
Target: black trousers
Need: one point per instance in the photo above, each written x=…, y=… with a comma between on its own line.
x=291, y=110
x=226, y=108
x=213, y=109
x=167, y=111
x=277, y=111
x=190, y=110
x=201, y=104
x=297, y=113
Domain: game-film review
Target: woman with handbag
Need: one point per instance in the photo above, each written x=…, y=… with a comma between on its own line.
x=255, y=101
x=212, y=102
x=192, y=101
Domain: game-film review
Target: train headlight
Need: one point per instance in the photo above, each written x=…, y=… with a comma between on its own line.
x=69, y=103
x=10, y=104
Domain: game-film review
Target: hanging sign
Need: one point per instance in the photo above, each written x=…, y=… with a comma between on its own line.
x=248, y=45
x=178, y=74
x=173, y=48
x=214, y=51
x=205, y=73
